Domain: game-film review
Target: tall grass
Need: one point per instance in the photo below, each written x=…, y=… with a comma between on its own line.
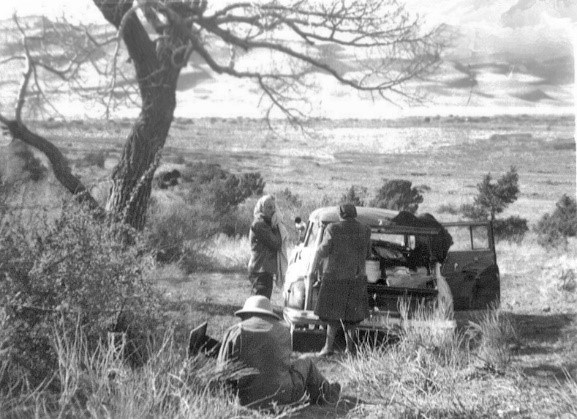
x=535, y=278
x=443, y=378
x=492, y=336
x=567, y=395
x=412, y=378
x=227, y=254
x=99, y=385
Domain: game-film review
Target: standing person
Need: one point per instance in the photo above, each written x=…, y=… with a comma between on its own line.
x=265, y=242
x=262, y=341
x=343, y=296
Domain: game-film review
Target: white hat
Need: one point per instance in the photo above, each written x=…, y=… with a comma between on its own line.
x=257, y=304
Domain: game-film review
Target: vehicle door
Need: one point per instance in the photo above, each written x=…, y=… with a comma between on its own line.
x=471, y=266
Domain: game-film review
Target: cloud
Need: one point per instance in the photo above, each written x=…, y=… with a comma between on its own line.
x=536, y=12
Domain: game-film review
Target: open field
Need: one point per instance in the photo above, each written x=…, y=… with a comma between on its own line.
x=449, y=155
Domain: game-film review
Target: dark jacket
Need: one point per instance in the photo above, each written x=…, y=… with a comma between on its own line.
x=265, y=242
x=343, y=292
x=262, y=343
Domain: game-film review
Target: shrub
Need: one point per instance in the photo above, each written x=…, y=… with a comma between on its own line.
x=355, y=195
x=553, y=229
x=448, y=209
x=199, y=172
x=96, y=158
x=288, y=198
x=32, y=165
x=512, y=228
x=252, y=184
x=179, y=159
x=167, y=179
x=79, y=274
x=398, y=194
x=493, y=196
x=219, y=190
x=170, y=226
x=237, y=222
x=474, y=212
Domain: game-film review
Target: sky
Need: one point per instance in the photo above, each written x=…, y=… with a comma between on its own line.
x=75, y=9
x=522, y=27
x=489, y=31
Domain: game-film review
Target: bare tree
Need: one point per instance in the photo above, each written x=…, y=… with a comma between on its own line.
x=374, y=46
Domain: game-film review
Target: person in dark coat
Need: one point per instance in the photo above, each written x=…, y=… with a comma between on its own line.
x=265, y=242
x=262, y=342
x=343, y=293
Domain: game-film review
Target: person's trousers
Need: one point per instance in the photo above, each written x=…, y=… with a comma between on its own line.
x=262, y=283
x=306, y=378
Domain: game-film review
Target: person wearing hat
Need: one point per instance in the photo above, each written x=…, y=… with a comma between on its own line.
x=343, y=296
x=262, y=341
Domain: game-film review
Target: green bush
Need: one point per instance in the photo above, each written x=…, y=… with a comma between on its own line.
x=199, y=172
x=170, y=226
x=95, y=158
x=212, y=204
x=553, y=229
x=398, y=194
x=219, y=190
x=493, y=196
x=474, y=212
x=252, y=184
x=32, y=165
x=355, y=195
x=80, y=274
x=512, y=228
x=448, y=209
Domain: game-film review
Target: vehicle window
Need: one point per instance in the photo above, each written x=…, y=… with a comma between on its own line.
x=311, y=235
x=461, y=237
x=480, y=237
x=391, y=238
x=469, y=237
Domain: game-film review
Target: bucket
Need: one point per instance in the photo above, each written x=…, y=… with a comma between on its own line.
x=296, y=296
x=373, y=270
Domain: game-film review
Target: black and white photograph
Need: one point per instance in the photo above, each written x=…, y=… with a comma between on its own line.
x=288, y=209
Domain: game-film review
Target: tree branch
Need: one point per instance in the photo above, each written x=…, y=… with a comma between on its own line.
x=57, y=160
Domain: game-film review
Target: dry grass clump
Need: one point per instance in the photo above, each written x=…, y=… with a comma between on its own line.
x=567, y=395
x=100, y=385
x=432, y=372
x=227, y=254
x=537, y=278
x=492, y=336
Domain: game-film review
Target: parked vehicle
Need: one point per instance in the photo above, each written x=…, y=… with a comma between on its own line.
x=415, y=262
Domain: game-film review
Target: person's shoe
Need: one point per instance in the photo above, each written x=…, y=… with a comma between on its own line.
x=330, y=394
x=197, y=339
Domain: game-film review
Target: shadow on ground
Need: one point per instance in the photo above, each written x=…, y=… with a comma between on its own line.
x=341, y=410
x=208, y=307
x=547, y=345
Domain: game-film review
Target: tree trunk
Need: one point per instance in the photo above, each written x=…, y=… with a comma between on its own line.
x=157, y=76
x=132, y=177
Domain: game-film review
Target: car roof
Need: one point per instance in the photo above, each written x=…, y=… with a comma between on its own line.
x=376, y=218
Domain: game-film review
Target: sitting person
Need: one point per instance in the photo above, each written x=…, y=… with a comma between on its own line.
x=261, y=341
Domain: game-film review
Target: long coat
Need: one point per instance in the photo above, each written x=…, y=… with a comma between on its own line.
x=343, y=293
x=265, y=242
